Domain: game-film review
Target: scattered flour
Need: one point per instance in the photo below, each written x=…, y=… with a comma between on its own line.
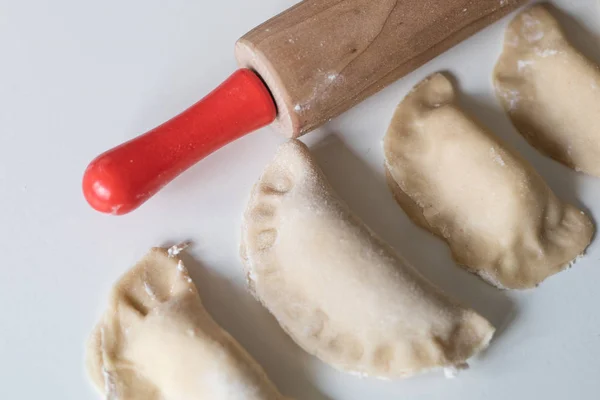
x=576, y=260
x=178, y=248
x=454, y=371
x=324, y=82
x=115, y=209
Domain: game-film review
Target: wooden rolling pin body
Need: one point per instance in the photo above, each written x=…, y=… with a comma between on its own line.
x=321, y=57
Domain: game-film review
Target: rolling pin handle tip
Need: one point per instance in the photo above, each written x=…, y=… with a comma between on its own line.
x=120, y=180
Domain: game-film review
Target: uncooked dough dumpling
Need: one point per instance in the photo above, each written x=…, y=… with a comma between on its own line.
x=551, y=91
x=157, y=342
x=455, y=179
x=340, y=292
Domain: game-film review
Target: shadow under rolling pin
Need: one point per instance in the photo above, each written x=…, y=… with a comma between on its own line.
x=300, y=69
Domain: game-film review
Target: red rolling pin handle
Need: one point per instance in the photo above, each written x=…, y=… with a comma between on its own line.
x=123, y=178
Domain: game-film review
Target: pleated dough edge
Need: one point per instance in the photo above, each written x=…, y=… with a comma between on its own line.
x=248, y=264
x=414, y=210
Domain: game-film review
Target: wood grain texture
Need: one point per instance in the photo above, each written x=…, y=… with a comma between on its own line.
x=322, y=57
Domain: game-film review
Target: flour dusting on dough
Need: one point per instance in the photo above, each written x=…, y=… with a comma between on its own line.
x=180, y=267
x=178, y=350
x=546, y=52
x=489, y=278
x=497, y=157
x=512, y=96
x=110, y=383
x=313, y=268
x=110, y=386
x=522, y=64
x=149, y=290
x=557, y=97
x=532, y=29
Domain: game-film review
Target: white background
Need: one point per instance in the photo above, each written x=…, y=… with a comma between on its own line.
x=78, y=77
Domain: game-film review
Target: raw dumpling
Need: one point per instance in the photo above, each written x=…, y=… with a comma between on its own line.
x=455, y=179
x=157, y=342
x=340, y=292
x=551, y=91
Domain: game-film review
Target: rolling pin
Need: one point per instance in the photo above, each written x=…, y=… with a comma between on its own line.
x=298, y=70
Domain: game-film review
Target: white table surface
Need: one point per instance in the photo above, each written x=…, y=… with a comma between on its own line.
x=78, y=77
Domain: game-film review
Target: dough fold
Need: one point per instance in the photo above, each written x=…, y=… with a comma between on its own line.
x=550, y=91
x=457, y=180
x=341, y=293
x=156, y=341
